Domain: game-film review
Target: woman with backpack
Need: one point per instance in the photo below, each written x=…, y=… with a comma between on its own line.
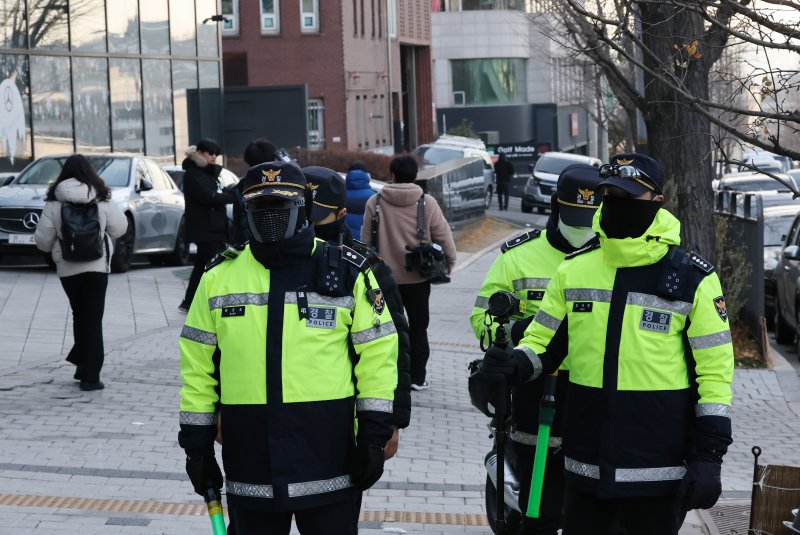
x=77, y=226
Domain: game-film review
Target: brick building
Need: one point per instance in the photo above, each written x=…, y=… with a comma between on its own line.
x=366, y=65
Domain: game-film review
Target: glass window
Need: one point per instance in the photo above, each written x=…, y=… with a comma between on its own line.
x=14, y=34
x=155, y=26
x=158, y=131
x=230, y=8
x=48, y=24
x=270, y=16
x=490, y=80
x=15, y=115
x=182, y=27
x=157, y=176
x=123, y=26
x=206, y=33
x=142, y=174
x=309, y=17
x=210, y=110
x=92, y=122
x=52, y=105
x=185, y=102
x=127, y=130
x=87, y=20
x=776, y=229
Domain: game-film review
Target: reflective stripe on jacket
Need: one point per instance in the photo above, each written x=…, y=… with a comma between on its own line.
x=650, y=376
x=285, y=383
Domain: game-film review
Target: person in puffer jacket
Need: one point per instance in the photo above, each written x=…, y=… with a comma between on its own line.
x=84, y=282
x=358, y=192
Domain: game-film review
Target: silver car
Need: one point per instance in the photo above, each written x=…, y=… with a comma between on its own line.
x=144, y=192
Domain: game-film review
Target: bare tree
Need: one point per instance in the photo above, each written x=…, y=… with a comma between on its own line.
x=679, y=46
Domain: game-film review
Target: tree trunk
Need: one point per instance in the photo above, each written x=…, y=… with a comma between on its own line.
x=678, y=138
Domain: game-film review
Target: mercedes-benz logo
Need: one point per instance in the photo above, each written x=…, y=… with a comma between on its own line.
x=30, y=220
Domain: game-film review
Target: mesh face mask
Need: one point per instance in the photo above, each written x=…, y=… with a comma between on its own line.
x=275, y=221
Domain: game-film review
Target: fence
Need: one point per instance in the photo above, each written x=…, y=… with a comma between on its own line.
x=744, y=217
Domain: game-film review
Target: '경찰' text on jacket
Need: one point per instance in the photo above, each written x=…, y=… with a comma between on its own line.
x=284, y=382
x=650, y=361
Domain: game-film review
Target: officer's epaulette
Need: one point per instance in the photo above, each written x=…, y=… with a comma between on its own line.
x=519, y=240
x=355, y=258
x=700, y=263
x=230, y=252
x=585, y=249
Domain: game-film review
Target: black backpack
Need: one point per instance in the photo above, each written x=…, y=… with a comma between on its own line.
x=81, y=237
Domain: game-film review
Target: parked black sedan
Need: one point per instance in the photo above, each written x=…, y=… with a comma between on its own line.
x=777, y=224
x=787, y=287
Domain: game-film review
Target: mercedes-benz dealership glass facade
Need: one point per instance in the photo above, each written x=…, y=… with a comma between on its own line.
x=139, y=76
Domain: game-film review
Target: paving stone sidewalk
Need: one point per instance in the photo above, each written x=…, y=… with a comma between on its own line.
x=120, y=443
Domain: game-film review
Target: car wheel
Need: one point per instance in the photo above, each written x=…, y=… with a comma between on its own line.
x=541, y=209
x=123, y=250
x=783, y=331
x=487, y=198
x=526, y=208
x=180, y=255
x=513, y=518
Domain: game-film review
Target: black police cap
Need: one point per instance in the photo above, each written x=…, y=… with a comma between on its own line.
x=578, y=194
x=328, y=190
x=652, y=181
x=273, y=179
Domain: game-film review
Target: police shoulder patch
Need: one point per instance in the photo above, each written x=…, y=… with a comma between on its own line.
x=700, y=263
x=519, y=240
x=722, y=308
x=585, y=249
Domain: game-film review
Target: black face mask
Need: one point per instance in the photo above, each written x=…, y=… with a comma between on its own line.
x=332, y=232
x=623, y=217
x=284, y=253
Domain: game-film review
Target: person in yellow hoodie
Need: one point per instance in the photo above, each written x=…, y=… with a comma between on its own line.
x=650, y=359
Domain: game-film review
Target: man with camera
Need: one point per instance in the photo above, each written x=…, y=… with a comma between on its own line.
x=391, y=226
x=650, y=360
x=524, y=268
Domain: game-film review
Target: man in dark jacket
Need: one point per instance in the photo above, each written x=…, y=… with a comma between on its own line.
x=206, y=218
x=503, y=171
x=328, y=215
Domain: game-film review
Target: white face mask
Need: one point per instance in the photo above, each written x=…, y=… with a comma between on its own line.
x=576, y=236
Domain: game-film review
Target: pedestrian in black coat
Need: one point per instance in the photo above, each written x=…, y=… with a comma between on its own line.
x=503, y=172
x=206, y=217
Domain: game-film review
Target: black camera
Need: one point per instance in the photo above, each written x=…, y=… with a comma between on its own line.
x=503, y=305
x=429, y=261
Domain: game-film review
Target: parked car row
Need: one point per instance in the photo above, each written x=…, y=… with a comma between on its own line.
x=145, y=192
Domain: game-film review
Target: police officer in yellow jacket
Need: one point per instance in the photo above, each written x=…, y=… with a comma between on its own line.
x=525, y=267
x=266, y=343
x=650, y=360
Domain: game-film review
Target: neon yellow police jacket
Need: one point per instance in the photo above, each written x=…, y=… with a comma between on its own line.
x=650, y=358
x=269, y=350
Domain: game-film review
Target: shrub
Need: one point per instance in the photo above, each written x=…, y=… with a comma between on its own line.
x=377, y=164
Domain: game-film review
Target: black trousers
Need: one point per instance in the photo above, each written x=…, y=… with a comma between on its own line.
x=205, y=252
x=415, y=300
x=502, y=195
x=551, y=507
x=334, y=518
x=587, y=514
x=87, y=298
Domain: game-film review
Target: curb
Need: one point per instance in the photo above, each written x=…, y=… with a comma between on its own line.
x=492, y=247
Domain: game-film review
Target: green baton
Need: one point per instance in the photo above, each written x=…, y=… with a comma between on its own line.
x=214, y=503
x=547, y=412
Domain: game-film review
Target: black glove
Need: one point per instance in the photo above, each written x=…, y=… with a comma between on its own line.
x=366, y=465
x=485, y=389
x=501, y=362
x=701, y=486
x=203, y=472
